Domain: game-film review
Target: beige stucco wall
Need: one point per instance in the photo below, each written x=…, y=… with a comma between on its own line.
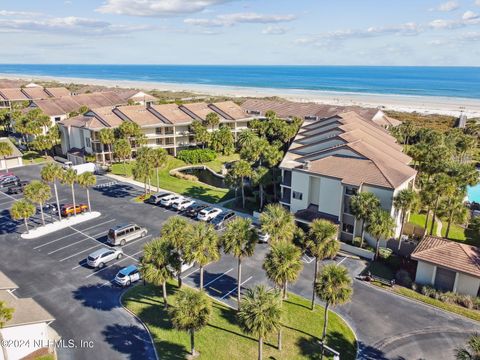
x=300, y=183
x=11, y=163
x=31, y=335
x=425, y=273
x=467, y=284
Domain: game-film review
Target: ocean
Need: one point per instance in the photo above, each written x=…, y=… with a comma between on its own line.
x=457, y=82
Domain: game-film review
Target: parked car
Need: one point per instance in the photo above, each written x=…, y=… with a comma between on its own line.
x=193, y=210
x=121, y=234
x=168, y=201
x=5, y=174
x=156, y=198
x=185, y=267
x=7, y=181
x=208, y=213
x=17, y=188
x=127, y=276
x=182, y=204
x=69, y=209
x=99, y=258
x=220, y=221
x=49, y=208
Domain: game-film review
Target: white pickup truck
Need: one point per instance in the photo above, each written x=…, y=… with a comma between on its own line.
x=81, y=168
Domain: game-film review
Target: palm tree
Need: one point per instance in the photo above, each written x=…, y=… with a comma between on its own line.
x=361, y=206
x=86, y=180
x=177, y=230
x=380, y=225
x=262, y=178
x=69, y=177
x=142, y=171
x=323, y=244
x=278, y=223
x=5, y=150
x=272, y=156
x=22, y=209
x=334, y=287
x=38, y=192
x=106, y=137
x=471, y=351
x=241, y=170
x=239, y=240
x=159, y=159
x=6, y=313
x=441, y=183
x=427, y=199
x=405, y=201
x=212, y=119
x=203, y=247
x=283, y=264
x=123, y=151
x=191, y=313
x=154, y=265
x=50, y=173
x=246, y=138
x=260, y=314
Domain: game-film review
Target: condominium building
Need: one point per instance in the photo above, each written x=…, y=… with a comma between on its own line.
x=9, y=96
x=166, y=126
x=333, y=158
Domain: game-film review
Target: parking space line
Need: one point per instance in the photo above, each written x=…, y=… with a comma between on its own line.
x=6, y=202
x=63, y=237
x=218, y=277
x=73, y=243
x=81, y=263
x=307, y=259
x=193, y=272
x=342, y=260
x=114, y=263
x=235, y=289
x=78, y=253
x=11, y=197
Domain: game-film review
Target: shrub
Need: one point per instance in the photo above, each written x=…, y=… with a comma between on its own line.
x=476, y=303
x=180, y=175
x=197, y=156
x=465, y=301
x=416, y=287
x=403, y=278
x=384, y=253
x=448, y=297
x=427, y=290
x=394, y=262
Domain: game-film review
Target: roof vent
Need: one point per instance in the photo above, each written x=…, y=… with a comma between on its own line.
x=306, y=165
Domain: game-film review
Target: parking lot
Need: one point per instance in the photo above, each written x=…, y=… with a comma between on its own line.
x=85, y=302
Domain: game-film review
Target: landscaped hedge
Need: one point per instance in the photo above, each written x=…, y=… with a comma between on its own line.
x=197, y=156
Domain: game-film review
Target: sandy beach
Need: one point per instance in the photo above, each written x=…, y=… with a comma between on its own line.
x=422, y=104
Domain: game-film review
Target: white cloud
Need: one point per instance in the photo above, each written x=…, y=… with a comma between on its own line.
x=469, y=15
x=449, y=6
x=18, y=13
x=237, y=18
x=70, y=24
x=157, y=8
x=470, y=36
x=274, y=30
x=468, y=18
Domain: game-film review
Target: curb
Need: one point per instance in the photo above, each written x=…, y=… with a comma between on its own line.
x=422, y=303
x=120, y=298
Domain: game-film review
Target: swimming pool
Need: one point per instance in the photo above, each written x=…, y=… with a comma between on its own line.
x=473, y=193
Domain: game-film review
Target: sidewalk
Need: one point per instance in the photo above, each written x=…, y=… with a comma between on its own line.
x=157, y=189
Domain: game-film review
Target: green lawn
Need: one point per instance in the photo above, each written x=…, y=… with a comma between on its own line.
x=223, y=339
x=236, y=204
x=419, y=220
x=185, y=187
x=33, y=157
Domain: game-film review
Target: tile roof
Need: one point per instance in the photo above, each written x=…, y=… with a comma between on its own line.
x=350, y=148
x=58, y=91
x=35, y=93
x=288, y=109
x=27, y=311
x=139, y=114
x=199, y=110
x=449, y=254
x=13, y=94
x=230, y=109
x=172, y=114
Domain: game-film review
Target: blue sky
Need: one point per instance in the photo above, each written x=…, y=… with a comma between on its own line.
x=324, y=32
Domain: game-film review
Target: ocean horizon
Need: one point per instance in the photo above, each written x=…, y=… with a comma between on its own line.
x=453, y=82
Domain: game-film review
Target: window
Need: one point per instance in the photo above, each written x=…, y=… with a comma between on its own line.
x=297, y=195
x=350, y=191
x=158, y=131
x=88, y=142
x=347, y=228
x=57, y=119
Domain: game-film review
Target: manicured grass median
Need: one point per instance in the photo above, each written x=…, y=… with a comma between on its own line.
x=185, y=187
x=223, y=339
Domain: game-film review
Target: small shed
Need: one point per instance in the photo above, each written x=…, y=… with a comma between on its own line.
x=448, y=265
x=10, y=161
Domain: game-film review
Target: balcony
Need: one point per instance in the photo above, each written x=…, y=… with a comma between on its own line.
x=287, y=178
x=311, y=213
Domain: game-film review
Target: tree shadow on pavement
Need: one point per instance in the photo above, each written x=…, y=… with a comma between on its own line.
x=132, y=341
x=118, y=191
x=96, y=297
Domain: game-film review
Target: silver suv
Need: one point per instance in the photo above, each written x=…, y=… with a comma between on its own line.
x=99, y=258
x=121, y=234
